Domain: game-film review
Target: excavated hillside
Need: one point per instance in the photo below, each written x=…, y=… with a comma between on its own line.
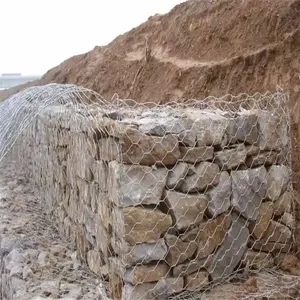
x=200, y=48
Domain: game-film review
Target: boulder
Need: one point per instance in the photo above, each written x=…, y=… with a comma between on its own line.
x=131, y=185
x=207, y=175
x=219, y=196
x=140, y=225
x=278, y=179
x=196, y=154
x=211, y=235
x=186, y=209
x=243, y=128
x=140, y=253
x=228, y=159
x=248, y=190
x=197, y=281
x=139, y=148
x=177, y=175
x=178, y=250
x=273, y=131
x=231, y=251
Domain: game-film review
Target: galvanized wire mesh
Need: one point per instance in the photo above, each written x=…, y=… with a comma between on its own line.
x=178, y=201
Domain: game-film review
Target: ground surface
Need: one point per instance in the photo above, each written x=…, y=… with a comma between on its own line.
x=36, y=263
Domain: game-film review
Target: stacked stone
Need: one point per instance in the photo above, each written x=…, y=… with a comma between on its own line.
x=166, y=200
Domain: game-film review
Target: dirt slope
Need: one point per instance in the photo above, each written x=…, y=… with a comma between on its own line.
x=200, y=48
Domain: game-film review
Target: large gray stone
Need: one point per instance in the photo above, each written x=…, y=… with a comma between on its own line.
x=231, y=158
x=138, y=292
x=265, y=158
x=248, y=190
x=166, y=287
x=209, y=126
x=139, y=148
x=191, y=266
x=230, y=253
x=219, y=196
x=244, y=128
x=139, y=274
x=197, y=154
x=207, y=175
x=273, y=131
x=140, y=253
x=161, y=126
x=186, y=209
x=283, y=204
x=176, y=175
x=278, y=179
x=131, y=185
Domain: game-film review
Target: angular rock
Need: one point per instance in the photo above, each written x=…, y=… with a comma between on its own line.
x=131, y=185
x=138, y=148
x=100, y=174
x=95, y=261
x=248, y=190
x=209, y=126
x=87, y=218
x=273, y=131
x=140, y=273
x=138, y=292
x=252, y=150
x=230, y=253
x=272, y=247
x=207, y=175
x=186, y=209
x=191, y=267
x=147, y=273
x=258, y=260
x=219, y=196
x=140, y=225
x=278, y=178
x=103, y=239
x=231, y=158
x=260, y=227
x=265, y=159
x=283, y=204
x=244, y=128
x=176, y=175
x=109, y=149
x=166, y=287
x=211, y=235
x=277, y=232
x=188, y=138
x=178, y=250
x=140, y=253
x=197, y=281
x=162, y=126
x=196, y=154
x=288, y=220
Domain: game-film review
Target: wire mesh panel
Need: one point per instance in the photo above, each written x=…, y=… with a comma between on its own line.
x=180, y=201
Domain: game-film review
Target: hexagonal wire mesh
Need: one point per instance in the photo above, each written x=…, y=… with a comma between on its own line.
x=178, y=201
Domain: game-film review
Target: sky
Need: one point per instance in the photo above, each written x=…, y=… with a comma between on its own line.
x=36, y=35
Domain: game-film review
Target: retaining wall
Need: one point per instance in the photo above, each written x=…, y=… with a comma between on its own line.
x=163, y=200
